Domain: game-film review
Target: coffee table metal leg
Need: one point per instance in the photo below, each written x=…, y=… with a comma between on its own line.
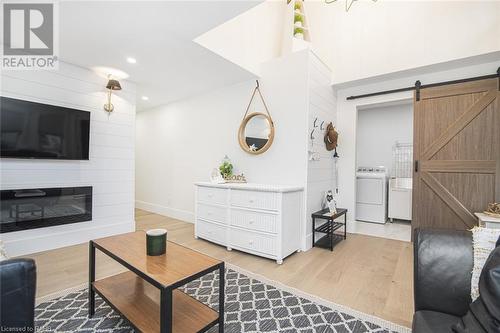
x=222, y=287
x=91, y=291
x=166, y=310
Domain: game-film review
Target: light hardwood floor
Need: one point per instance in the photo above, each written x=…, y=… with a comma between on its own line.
x=369, y=274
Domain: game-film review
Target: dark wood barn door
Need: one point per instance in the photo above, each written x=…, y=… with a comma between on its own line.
x=457, y=153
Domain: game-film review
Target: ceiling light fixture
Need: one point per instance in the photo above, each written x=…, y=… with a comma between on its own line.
x=348, y=3
x=145, y=98
x=131, y=60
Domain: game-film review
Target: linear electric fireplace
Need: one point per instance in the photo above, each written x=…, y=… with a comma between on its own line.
x=44, y=207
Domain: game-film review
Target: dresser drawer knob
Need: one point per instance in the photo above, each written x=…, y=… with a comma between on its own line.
x=252, y=200
x=250, y=242
x=210, y=195
x=209, y=213
x=251, y=221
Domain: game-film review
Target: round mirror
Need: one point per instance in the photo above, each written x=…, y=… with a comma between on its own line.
x=256, y=133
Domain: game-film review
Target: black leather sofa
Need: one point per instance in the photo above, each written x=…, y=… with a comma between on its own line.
x=443, y=261
x=17, y=295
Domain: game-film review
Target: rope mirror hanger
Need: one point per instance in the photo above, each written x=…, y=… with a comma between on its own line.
x=256, y=132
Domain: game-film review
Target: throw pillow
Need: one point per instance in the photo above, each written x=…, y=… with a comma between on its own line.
x=483, y=241
x=484, y=312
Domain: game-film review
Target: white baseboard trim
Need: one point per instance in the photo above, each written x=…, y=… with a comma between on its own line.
x=54, y=240
x=308, y=243
x=175, y=213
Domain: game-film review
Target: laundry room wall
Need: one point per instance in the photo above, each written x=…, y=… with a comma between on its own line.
x=379, y=129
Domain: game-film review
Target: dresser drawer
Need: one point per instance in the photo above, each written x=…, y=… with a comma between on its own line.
x=252, y=241
x=211, y=231
x=212, y=213
x=254, y=220
x=212, y=195
x=254, y=199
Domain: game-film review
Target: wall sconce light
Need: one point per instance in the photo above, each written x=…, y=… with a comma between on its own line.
x=112, y=85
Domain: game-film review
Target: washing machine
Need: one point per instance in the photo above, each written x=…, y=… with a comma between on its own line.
x=371, y=194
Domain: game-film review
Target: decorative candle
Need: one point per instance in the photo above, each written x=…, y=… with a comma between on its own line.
x=156, y=242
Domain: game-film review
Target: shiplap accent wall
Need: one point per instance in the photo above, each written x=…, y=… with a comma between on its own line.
x=323, y=106
x=110, y=169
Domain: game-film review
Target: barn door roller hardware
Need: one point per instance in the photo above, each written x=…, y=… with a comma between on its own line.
x=419, y=86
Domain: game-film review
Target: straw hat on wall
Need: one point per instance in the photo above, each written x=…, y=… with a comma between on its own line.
x=331, y=136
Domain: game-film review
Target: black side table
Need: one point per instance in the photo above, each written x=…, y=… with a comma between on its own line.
x=330, y=239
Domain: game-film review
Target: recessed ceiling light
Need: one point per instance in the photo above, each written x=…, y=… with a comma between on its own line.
x=145, y=98
x=131, y=60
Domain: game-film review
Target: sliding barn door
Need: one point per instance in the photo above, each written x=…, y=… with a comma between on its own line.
x=456, y=152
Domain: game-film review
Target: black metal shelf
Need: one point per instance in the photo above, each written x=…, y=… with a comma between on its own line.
x=330, y=239
x=329, y=227
x=324, y=242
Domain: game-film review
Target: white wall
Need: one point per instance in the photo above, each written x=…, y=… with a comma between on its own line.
x=379, y=129
x=375, y=38
x=348, y=111
x=110, y=170
x=250, y=38
x=322, y=105
x=180, y=143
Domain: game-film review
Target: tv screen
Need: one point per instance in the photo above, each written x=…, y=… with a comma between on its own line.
x=35, y=130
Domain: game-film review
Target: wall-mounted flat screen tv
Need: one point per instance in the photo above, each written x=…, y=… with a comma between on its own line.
x=36, y=130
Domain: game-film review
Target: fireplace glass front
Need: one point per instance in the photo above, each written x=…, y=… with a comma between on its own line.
x=24, y=209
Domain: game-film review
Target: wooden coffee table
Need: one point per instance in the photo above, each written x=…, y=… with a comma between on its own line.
x=147, y=294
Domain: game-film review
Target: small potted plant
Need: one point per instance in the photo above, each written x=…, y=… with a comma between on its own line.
x=298, y=32
x=226, y=168
x=298, y=20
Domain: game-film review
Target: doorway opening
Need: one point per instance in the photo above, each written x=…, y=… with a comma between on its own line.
x=384, y=160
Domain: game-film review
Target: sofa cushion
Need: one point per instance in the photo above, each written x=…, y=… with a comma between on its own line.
x=432, y=321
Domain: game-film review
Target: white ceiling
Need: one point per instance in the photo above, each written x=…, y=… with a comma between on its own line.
x=159, y=34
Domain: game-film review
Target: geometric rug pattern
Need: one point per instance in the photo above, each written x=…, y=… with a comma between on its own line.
x=250, y=306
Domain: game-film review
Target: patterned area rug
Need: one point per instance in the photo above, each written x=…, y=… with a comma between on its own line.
x=251, y=306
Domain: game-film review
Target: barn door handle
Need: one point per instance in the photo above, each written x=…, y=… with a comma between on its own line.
x=416, y=166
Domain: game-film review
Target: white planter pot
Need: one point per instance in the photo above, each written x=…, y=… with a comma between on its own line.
x=299, y=35
x=298, y=24
x=298, y=11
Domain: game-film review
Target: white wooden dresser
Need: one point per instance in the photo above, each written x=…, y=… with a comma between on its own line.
x=264, y=220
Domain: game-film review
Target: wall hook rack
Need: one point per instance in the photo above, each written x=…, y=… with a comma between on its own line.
x=314, y=123
x=312, y=134
x=321, y=126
